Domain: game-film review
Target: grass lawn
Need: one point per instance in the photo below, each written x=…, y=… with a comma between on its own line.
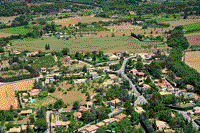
x=45, y=61
x=18, y=30
x=106, y=44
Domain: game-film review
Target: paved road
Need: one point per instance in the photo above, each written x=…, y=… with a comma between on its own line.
x=140, y=99
x=196, y=126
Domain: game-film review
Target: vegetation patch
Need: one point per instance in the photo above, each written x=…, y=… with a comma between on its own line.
x=44, y=61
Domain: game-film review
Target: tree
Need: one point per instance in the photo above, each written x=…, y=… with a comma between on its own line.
x=20, y=117
x=139, y=65
x=32, y=119
x=43, y=94
x=41, y=124
x=113, y=35
x=60, y=129
x=1, y=49
x=58, y=104
x=76, y=105
x=85, y=69
x=9, y=125
x=65, y=51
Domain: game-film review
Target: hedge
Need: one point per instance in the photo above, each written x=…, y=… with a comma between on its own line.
x=180, y=108
x=197, y=121
x=148, y=128
x=33, y=74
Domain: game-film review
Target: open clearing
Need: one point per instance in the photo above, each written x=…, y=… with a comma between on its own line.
x=83, y=19
x=106, y=44
x=11, y=73
x=7, y=93
x=183, y=22
x=193, y=59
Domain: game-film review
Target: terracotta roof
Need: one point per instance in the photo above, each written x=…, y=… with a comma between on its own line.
x=161, y=123
x=25, y=126
x=115, y=101
x=62, y=123
x=26, y=111
x=109, y=120
x=121, y=116
x=100, y=124
x=189, y=86
x=77, y=114
x=14, y=129
x=91, y=128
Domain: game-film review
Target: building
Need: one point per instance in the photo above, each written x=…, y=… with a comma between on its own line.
x=189, y=87
x=89, y=104
x=34, y=92
x=32, y=53
x=100, y=124
x=146, y=87
x=77, y=115
x=78, y=81
x=108, y=82
x=16, y=52
x=91, y=69
x=60, y=123
x=91, y=129
x=113, y=57
x=26, y=112
x=161, y=125
x=43, y=70
x=108, y=121
x=24, y=127
x=120, y=117
x=114, y=102
x=14, y=130
x=196, y=110
x=139, y=109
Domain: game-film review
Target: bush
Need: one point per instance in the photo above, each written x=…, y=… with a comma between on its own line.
x=20, y=117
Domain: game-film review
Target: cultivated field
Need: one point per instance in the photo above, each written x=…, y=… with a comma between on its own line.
x=7, y=20
x=106, y=44
x=193, y=59
x=18, y=30
x=45, y=61
x=11, y=73
x=6, y=34
x=82, y=19
x=193, y=39
x=7, y=93
x=74, y=94
x=183, y=22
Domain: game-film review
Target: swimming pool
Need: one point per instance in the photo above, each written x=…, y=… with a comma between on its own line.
x=32, y=100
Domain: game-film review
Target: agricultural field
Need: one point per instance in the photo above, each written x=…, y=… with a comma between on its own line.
x=183, y=22
x=7, y=93
x=7, y=20
x=74, y=94
x=106, y=44
x=193, y=39
x=82, y=19
x=6, y=34
x=18, y=30
x=11, y=73
x=45, y=61
x=193, y=59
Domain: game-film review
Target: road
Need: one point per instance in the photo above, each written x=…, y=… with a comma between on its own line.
x=186, y=116
x=140, y=99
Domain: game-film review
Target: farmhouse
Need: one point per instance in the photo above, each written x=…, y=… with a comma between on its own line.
x=189, y=87
x=26, y=112
x=113, y=57
x=139, y=109
x=91, y=69
x=121, y=116
x=78, y=81
x=14, y=130
x=111, y=120
x=108, y=82
x=32, y=53
x=43, y=70
x=100, y=124
x=161, y=125
x=34, y=92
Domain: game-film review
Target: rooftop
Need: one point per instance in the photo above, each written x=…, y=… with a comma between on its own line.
x=91, y=128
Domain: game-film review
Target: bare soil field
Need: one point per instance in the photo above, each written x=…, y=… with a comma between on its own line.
x=193, y=59
x=193, y=39
x=7, y=93
x=82, y=19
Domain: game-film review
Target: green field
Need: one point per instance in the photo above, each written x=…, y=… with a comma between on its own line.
x=45, y=61
x=192, y=27
x=107, y=44
x=18, y=30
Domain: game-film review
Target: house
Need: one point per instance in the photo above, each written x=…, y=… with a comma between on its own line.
x=111, y=120
x=140, y=74
x=43, y=70
x=32, y=53
x=91, y=69
x=108, y=82
x=161, y=125
x=113, y=57
x=120, y=117
x=60, y=123
x=24, y=127
x=78, y=81
x=177, y=78
x=139, y=109
x=196, y=110
x=26, y=112
x=146, y=87
x=169, y=131
x=112, y=76
x=134, y=71
x=94, y=75
x=156, y=81
x=77, y=115
x=89, y=104
x=14, y=130
x=132, y=12
x=166, y=93
x=114, y=102
x=34, y=92
x=100, y=124
x=91, y=129
x=71, y=60
x=16, y=52
x=189, y=87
